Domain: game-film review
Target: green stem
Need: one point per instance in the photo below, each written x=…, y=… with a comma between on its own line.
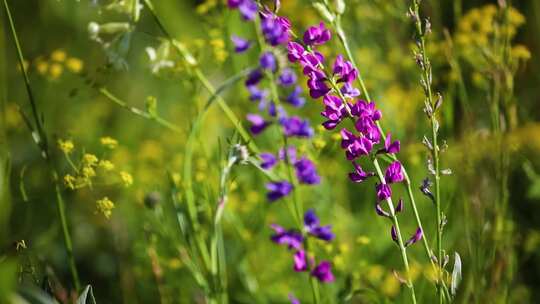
x=41, y=141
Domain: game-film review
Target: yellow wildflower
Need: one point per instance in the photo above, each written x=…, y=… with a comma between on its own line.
x=56, y=70
x=58, y=55
x=105, y=206
x=66, y=146
x=90, y=159
x=521, y=52
x=126, y=178
x=319, y=143
x=106, y=165
x=109, y=142
x=75, y=65
x=69, y=181
x=42, y=67
x=88, y=172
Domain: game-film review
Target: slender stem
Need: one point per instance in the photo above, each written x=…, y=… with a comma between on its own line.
x=41, y=141
x=430, y=104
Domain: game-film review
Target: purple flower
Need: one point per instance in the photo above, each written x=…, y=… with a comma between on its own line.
x=293, y=299
x=364, y=109
x=359, y=175
x=323, y=272
x=383, y=191
x=291, y=154
x=268, y=61
x=256, y=94
x=277, y=190
x=295, y=126
x=311, y=63
x=291, y=238
x=380, y=211
x=248, y=9
x=234, y=3
x=415, y=238
x=389, y=146
x=349, y=91
x=313, y=227
x=306, y=172
x=240, y=45
x=258, y=124
x=344, y=70
x=394, y=173
x=316, y=35
x=275, y=29
x=424, y=188
x=393, y=233
x=317, y=87
x=254, y=77
x=295, y=51
x=295, y=98
x=287, y=77
x=399, y=206
x=334, y=110
x=300, y=261
x=268, y=160
x=355, y=146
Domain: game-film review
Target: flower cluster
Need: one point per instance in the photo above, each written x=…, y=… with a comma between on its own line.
x=294, y=240
x=335, y=87
x=273, y=72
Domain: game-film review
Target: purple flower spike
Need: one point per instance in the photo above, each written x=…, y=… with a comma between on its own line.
x=306, y=172
x=316, y=35
x=313, y=227
x=254, y=77
x=293, y=239
x=300, y=261
x=383, y=191
x=287, y=77
x=334, y=110
x=240, y=45
x=399, y=207
x=317, y=87
x=258, y=124
x=294, y=126
x=393, y=233
x=293, y=299
x=415, y=238
x=277, y=190
x=323, y=272
x=248, y=9
x=268, y=160
x=394, y=173
x=359, y=175
x=268, y=61
x=295, y=98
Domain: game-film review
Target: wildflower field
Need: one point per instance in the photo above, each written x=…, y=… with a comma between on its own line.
x=267, y=151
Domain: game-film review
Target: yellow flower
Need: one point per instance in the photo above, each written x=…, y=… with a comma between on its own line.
x=66, y=146
x=74, y=64
x=88, y=172
x=56, y=70
x=58, y=55
x=105, y=206
x=521, y=52
x=319, y=143
x=109, y=142
x=126, y=178
x=69, y=181
x=363, y=240
x=42, y=67
x=106, y=165
x=90, y=159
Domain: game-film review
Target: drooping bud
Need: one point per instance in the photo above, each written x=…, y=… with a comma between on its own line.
x=323, y=12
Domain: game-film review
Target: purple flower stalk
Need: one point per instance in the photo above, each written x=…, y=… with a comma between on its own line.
x=317, y=35
x=258, y=124
x=394, y=173
x=313, y=227
x=323, y=272
x=268, y=160
x=306, y=172
x=291, y=238
x=240, y=45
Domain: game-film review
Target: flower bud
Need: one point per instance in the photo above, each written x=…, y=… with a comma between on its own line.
x=339, y=6
x=324, y=12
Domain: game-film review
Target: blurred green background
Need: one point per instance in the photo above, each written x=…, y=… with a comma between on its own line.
x=492, y=208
